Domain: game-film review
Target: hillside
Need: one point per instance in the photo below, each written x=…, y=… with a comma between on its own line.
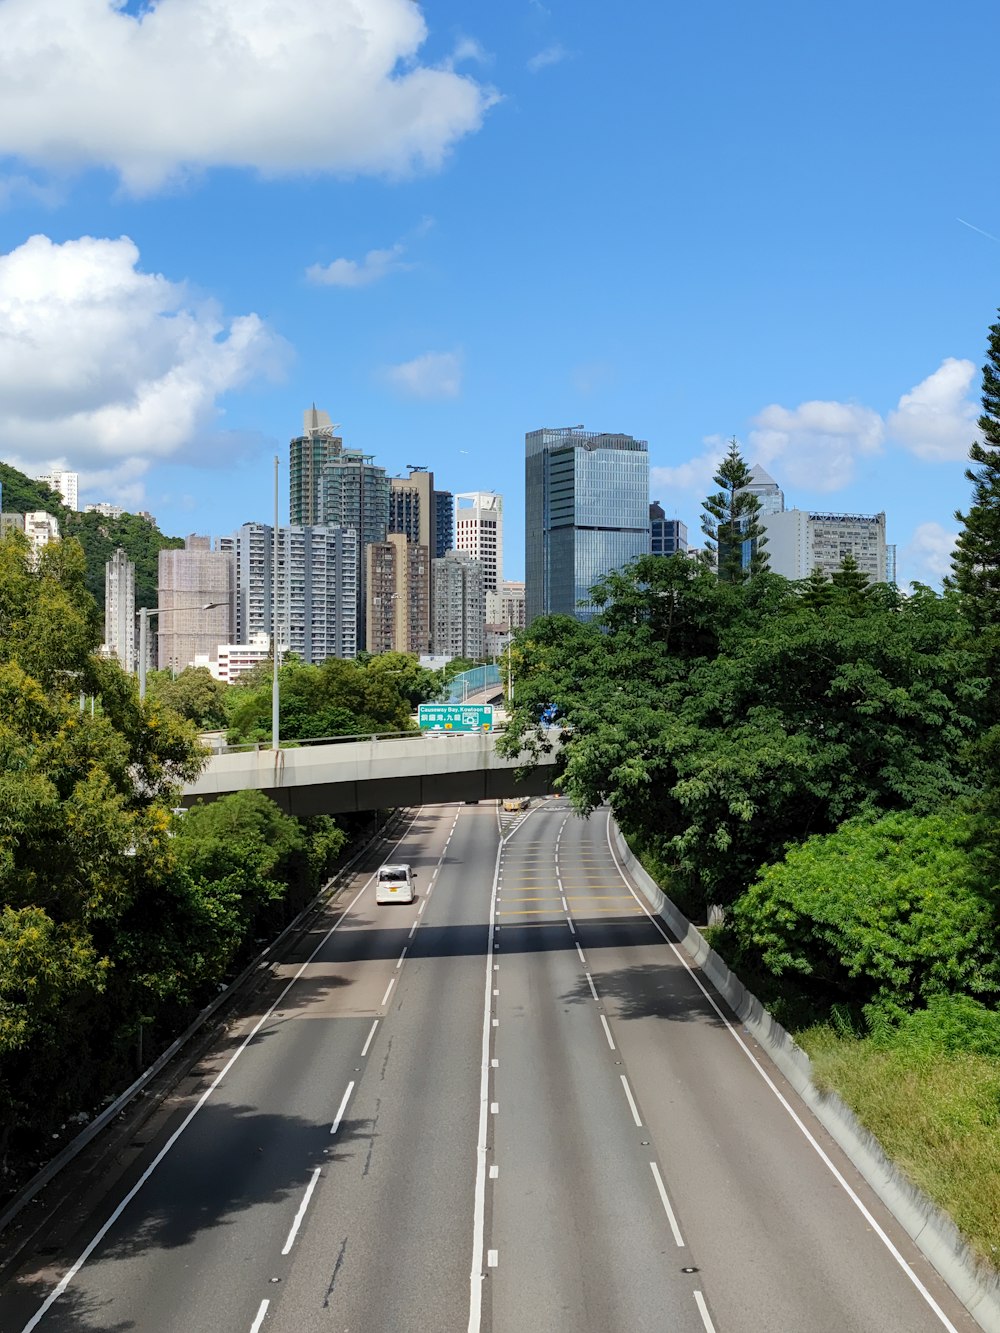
x=99, y=536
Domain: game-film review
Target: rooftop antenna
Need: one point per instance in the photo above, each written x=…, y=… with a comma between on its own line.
x=416, y=467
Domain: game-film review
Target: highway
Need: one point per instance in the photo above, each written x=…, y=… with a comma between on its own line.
x=509, y=1107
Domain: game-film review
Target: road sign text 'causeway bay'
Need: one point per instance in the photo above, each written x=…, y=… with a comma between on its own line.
x=455, y=717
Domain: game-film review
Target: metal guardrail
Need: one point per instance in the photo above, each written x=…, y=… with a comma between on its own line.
x=257, y=747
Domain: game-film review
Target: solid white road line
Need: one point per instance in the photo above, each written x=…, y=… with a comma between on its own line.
x=796, y=1118
x=392, y=982
x=666, y=1205
x=342, y=1107
x=302, y=1211
x=706, y=1318
x=607, y=1032
x=479, y=1204
x=368, y=1040
x=590, y=983
x=631, y=1101
x=255, y=1327
x=116, y=1213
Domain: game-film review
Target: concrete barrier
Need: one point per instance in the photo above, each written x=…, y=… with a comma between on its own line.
x=974, y=1282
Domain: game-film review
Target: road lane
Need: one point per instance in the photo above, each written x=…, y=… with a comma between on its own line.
x=200, y=1245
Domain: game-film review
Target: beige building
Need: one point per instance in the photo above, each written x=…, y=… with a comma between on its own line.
x=187, y=581
x=505, y=606
x=397, y=596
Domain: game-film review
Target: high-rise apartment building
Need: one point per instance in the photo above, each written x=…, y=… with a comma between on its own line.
x=308, y=455
x=355, y=495
x=444, y=507
x=667, y=536
x=187, y=581
x=312, y=589
x=458, y=607
x=479, y=532
x=397, y=596
x=66, y=483
x=586, y=514
x=799, y=542
x=412, y=507
x=506, y=606
x=119, y=609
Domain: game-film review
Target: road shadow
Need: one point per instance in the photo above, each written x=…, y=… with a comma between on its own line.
x=648, y=990
x=267, y=1159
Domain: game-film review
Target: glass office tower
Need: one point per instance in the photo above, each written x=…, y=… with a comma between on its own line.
x=586, y=514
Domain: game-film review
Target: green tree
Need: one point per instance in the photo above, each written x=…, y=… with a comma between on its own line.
x=887, y=913
x=732, y=519
x=194, y=694
x=976, y=560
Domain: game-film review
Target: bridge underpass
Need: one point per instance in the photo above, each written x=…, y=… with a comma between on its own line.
x=331, y=778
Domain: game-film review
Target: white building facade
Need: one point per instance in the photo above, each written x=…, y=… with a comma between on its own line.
x=458, y=607
x=479, y=533
x=66, y=483
x=799, y=541
x=119, y=610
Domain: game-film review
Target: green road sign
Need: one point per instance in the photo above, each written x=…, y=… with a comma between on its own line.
x=455, y=717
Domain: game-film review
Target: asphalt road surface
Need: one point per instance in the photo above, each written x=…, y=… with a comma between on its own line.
x=509, y=1107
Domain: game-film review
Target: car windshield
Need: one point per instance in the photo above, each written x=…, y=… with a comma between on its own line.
x=391, y=874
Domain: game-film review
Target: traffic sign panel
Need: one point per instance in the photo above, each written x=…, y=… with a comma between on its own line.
x=455, y=717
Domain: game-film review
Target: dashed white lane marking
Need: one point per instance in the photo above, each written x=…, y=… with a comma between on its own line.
x=401, y=957
x=123, y=1203
x=784, y=1102
x=494, y=1108
x=583, y=958
x=607, y=1032
x=494, y=1063
x=342, y=1107
x=593, y=988
x=565, y=904
x=666, y=1205
x=392, y=982
x=412, y=929
x=496, y=990
x=496, y=1022
x=631, y=1101
x=302, y=1210
x=569, y=922
x=420, y=909
x=491, y=1258
x=494, y=1171
x=255, y=1327
x=706, y=1318
x=368, y=1040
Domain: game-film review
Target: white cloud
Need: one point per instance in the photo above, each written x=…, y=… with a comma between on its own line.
x=937, y=419
x=432, y=375
x=352, y=273
x=816, y=443
x=552, y=55
x=111, y=367
x=695, y=476
x=926, y=557
x=300, y=85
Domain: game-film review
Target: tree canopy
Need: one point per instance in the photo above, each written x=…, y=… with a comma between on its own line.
x=976, y=560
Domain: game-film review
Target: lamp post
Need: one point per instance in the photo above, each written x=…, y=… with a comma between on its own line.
x=275, y=687
x=144, y=613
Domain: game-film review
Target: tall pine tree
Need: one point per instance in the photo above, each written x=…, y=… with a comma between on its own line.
x=731, y=519
x=976, y=560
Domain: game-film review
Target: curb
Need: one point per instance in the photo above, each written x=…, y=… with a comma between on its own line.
x=975, y=1284
x=48, y=1173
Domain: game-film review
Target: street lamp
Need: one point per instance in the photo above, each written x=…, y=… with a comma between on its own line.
x=144, y=613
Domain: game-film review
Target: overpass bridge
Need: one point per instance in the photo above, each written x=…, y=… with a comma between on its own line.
x=377, y=773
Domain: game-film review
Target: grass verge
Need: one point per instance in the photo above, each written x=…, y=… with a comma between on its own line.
x=937, y=1115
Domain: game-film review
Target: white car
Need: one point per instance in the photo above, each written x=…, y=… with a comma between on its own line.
x=394, y=884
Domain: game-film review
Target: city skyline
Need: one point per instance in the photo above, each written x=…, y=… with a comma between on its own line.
x=767, y=261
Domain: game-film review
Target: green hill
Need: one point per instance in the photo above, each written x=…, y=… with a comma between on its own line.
x=99, y=536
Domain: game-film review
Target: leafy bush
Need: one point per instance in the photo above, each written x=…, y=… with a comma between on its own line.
x=886, y=913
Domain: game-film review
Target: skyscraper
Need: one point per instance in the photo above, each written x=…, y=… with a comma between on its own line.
x=186, y=581
x=412, y=507
x=586, y=514
x=799, y=542
x=355, y=495
x=308, y=454
x=397, y=596
x=119, y=609
x=444, y=507
x=767, y=491
x=458, y=608
x=479, y=533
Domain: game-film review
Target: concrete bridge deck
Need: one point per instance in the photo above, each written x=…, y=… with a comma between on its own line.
x=378, y=773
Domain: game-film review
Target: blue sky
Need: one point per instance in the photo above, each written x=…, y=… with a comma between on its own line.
x=447, y=224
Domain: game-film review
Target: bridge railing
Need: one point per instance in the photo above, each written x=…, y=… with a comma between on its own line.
x=254, y=747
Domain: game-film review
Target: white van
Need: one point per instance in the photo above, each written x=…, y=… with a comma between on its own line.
x=394, y=884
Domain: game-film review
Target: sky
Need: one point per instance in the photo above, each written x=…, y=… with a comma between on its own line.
x=447, y=224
